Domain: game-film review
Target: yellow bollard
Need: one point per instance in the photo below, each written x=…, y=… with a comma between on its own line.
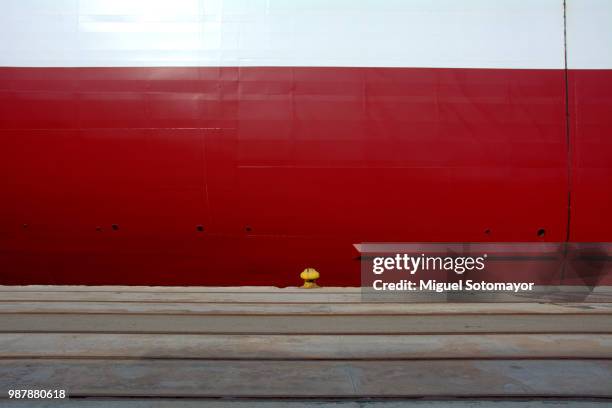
x=310, y=275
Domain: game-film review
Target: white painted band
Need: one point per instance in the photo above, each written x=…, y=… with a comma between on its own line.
x=365, y=33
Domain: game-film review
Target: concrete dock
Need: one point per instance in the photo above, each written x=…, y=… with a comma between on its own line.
x=269, y=347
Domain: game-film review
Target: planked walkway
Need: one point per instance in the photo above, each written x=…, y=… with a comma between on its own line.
x=269, y=347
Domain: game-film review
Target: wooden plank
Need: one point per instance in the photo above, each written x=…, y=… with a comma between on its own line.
x=305, y=308
x=332, y=295
x=280, y=324
x=304, y=296
x=251, y=289
x=316, y=403
x=304, y=347
x=171, y=289
x=201, y=378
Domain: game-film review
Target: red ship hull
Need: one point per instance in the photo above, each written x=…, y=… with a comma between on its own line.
x=244, y=176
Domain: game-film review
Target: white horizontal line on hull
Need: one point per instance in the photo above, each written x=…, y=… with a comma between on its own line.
x=334, y=33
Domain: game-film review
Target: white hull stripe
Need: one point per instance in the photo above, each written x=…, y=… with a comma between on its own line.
x=342, y=33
